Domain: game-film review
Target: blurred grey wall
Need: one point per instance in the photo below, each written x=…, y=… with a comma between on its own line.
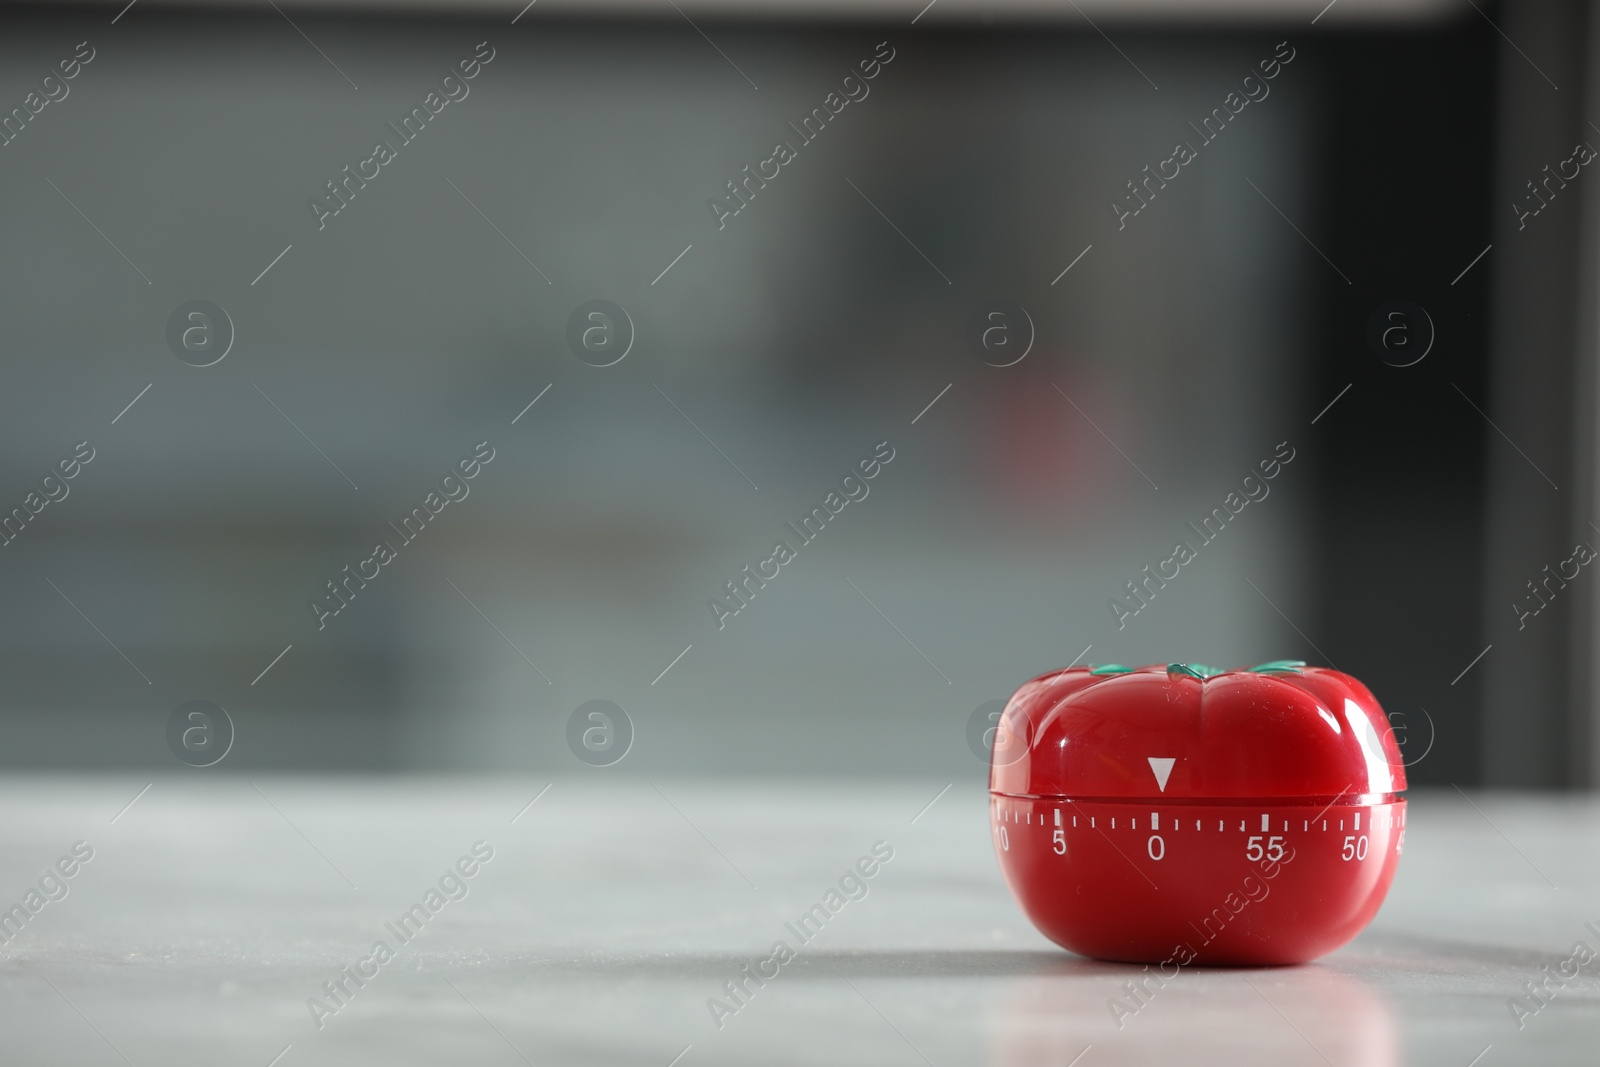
x=776, y=352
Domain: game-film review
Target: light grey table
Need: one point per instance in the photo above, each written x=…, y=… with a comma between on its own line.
x=613, y=910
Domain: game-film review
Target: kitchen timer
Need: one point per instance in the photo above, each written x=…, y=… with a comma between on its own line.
x=1178, y=813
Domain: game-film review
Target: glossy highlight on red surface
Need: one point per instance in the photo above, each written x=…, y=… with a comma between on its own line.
x=1175, y=813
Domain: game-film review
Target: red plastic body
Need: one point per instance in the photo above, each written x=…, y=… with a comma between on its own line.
x=1159, y=816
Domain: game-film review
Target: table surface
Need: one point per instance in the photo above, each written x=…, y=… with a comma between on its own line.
x=612, y=911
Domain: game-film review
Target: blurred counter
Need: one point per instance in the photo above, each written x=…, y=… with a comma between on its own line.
x=604, y=920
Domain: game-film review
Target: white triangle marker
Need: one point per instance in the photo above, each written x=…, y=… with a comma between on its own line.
x=1162, y=766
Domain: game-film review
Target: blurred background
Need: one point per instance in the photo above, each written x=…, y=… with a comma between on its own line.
x=1144, y=365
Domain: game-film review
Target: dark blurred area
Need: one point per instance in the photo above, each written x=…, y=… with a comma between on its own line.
x=1146, y=367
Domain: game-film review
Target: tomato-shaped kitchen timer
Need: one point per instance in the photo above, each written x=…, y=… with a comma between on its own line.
x=1178, y=813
